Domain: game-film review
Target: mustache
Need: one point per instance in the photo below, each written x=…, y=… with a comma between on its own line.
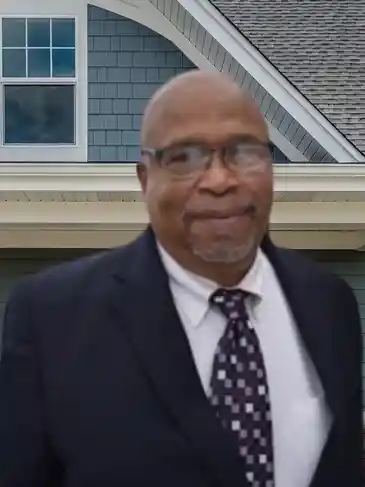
x=248, y=209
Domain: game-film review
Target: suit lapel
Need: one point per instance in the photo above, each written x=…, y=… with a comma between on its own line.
x=312, y=318
x=144, y=306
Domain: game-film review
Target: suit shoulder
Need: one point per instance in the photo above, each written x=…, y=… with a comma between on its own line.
x=68, y=277
x=313, y=271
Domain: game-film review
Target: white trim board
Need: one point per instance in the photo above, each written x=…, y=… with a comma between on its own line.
x=285, y=216
x=30, y=181
x=52, y=238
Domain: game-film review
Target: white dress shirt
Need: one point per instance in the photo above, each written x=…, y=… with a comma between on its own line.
x=301, y=418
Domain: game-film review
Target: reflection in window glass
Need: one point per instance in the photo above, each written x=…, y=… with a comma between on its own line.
x=39, y=114
x=13, y=32
x=63, y=62
x=39, y=63
x=63, y=32
x=14, y=64
x=39, y=33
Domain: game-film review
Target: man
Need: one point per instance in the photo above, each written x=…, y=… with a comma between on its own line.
x=200, y=355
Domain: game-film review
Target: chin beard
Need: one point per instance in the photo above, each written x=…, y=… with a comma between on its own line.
x=224, y=253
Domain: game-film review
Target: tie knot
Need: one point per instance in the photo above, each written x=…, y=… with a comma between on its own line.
x=231, y=302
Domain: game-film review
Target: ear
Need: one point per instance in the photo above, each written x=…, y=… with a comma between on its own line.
x=142, y=176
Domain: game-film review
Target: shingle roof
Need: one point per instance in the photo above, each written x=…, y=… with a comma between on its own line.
x=319, y=45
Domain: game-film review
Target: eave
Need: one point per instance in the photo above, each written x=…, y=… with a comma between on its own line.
x=98, y=205
x=102, y=182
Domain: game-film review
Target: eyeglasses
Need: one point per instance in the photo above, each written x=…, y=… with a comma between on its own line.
x=191, y=159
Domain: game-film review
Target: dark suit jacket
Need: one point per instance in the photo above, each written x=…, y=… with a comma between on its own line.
x=98, y=386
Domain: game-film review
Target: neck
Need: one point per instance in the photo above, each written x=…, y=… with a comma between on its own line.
x=225, y=275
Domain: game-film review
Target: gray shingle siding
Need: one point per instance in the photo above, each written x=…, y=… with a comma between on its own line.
x=319, y=46
x=126, y=64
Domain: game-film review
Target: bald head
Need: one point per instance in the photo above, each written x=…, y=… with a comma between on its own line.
x=213, y=155
x=191, y=94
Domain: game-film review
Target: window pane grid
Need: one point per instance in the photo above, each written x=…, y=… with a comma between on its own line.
x=60, y=60
x=38, y=80
x=10, y=63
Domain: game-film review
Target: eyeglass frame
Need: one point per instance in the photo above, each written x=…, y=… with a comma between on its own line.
x=157, y=154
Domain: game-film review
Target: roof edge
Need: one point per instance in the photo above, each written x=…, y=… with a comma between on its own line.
x=121, y=178
x=265, y=73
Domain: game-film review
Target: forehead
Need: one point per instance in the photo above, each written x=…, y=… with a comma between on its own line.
x=209, y=121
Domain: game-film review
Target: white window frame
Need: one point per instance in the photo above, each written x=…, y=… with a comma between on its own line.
x=76, y=152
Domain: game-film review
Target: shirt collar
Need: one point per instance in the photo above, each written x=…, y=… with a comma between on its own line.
x=192, y=292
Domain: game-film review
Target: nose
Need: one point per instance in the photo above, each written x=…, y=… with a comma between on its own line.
x=218, y=178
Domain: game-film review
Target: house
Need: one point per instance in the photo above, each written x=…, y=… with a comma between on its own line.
x=75, y=77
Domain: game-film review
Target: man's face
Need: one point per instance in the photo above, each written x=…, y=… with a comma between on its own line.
x=209, y=191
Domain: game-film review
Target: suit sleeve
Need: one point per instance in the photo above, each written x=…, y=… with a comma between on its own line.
x=353, y=428
x=24, y=458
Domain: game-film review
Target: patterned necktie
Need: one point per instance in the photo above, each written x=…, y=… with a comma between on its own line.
x=239, y=389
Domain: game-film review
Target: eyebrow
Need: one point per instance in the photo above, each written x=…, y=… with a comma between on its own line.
x=191, y=140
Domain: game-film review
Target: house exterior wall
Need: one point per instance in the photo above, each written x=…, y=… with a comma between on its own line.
x=127, y=63
x=119, y=63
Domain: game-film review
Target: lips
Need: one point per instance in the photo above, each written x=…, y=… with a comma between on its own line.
x=212, y=214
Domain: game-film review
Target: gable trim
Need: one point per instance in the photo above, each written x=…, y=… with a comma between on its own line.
x=145, y=13
x=311, y=119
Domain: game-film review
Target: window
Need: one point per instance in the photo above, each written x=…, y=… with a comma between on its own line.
x=38, y=79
